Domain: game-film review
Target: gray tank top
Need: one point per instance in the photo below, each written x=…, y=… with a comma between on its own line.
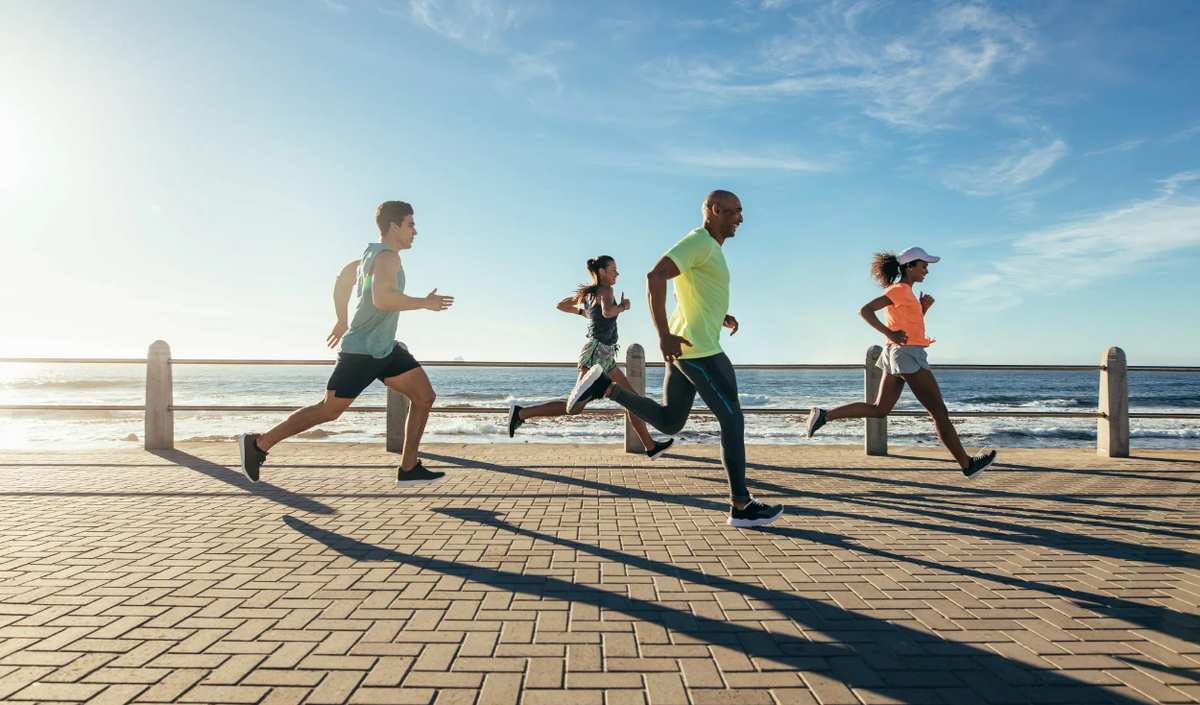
x=372, y=331
x=599, y=328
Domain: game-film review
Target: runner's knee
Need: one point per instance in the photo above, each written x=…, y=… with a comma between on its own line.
x=423, y=397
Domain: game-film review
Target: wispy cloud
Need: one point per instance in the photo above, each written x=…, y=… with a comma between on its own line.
x=915, y=77
x=1184, y=134
x=1095, y=246
x=335, y=7
x=478, y=25
x=1010, y=174
x=742, y=160
x=1122, y=147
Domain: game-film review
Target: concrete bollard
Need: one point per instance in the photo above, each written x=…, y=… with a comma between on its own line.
x=1112, y=429
x=397, y=418
x=874, y=430
x=635, y=371
x=160, y=419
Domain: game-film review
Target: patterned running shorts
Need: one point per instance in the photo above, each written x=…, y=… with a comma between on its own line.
x=597, y=353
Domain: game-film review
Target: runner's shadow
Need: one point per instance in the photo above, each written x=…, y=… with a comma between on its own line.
x=866, y=477
x=995, y=530
x=875, y=654
x=266, y=490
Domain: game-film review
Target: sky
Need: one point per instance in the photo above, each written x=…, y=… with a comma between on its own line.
x=199, y=171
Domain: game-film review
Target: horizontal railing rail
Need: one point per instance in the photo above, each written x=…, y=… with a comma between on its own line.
x=573, y=365
x=1112, y=412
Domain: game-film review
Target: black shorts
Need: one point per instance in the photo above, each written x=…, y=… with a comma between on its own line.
x=355, y=372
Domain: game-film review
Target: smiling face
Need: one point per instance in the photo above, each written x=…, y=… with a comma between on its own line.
x=916, y=271
x=724, y=216
x=608, y=275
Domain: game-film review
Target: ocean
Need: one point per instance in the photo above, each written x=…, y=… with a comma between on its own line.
x=494, y=387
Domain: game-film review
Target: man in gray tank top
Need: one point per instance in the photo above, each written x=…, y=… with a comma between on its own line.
x=367, y=348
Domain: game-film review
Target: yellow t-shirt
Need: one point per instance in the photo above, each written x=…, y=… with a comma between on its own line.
x=702, y=289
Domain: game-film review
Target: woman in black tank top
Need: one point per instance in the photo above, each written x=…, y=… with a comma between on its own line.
x=595, y=302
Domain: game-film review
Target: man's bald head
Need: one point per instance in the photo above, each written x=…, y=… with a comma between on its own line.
x=722, y=214
x=718, y=198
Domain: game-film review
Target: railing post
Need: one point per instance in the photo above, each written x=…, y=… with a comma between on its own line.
x=397, y=417
x=635, y=372
x=874, y=430
x=1112, y=432
x=160, y=420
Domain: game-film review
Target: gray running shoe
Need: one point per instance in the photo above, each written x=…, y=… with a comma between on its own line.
x=979, y=463
x=816, y=419
x=252, y=456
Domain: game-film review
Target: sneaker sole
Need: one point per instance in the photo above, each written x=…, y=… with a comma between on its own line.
x=511, y=413
x=410, y=483
x=242, y=451
x=587, y=380
x=810, y=423
x=979, y=472
x=661, y=453
x=751, y=523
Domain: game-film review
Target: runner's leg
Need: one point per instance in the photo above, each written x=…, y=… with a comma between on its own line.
x=668, y=417
x=889, y=393
x=715, y=381
x=415, y=385
x=925, y=388
x=301, y=420
x=639, y=426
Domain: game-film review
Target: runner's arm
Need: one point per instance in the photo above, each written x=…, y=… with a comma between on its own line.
x=387, y=297
x=568, y=305
x=868, y=314
x=342, y=290
x=656, y=293
x=608, y=304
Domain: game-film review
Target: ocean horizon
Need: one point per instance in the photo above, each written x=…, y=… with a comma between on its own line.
x=296, y=386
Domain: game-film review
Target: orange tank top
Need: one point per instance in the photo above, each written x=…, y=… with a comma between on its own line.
x=905, y=314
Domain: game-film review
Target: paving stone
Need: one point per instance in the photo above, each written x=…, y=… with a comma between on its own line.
x=563, y=574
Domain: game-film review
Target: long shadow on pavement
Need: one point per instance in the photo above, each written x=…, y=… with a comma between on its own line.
x=265, y=490
x=900, y=663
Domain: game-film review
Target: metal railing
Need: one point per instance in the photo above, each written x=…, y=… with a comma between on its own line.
x=1112, y=412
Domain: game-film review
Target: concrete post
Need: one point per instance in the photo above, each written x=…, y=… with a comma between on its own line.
x=1112, y=431
x=875, y=430
x=160, y=420
x=397, y=417
x=635, y=371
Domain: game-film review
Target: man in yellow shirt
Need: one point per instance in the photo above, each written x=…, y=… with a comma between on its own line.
x=691, y=345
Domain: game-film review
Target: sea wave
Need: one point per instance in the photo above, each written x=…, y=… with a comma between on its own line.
x=754, y=399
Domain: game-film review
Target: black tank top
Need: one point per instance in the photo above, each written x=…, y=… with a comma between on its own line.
x=599, y=327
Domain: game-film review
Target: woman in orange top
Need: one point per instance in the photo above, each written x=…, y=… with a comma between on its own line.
x=904, y=361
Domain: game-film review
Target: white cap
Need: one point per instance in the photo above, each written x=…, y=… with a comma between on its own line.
x=913, y=254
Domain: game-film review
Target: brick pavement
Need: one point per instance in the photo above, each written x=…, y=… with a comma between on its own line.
x=577, y=574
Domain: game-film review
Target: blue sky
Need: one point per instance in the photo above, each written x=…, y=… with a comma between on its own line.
x=199, y=171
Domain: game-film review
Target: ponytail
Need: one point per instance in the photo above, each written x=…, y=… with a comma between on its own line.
x=885, y=268
x=594, y=266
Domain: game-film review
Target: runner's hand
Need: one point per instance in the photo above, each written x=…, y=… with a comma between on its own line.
x=731, y=323
x=898, y=337
x=671, y=346
x=438, y=303
x=335, y=336
x=624, y=304
x=926, y=301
